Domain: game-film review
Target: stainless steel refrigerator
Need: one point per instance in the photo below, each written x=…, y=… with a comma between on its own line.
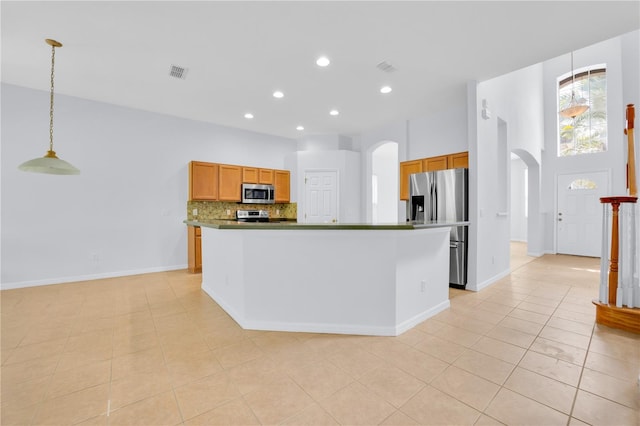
x=442, y=197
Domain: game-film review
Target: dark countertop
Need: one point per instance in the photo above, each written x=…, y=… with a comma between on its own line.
x=293, y=225
x=421, y=225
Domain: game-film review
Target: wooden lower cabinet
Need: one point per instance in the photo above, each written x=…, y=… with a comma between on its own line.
x=230, y=182
x=194, y=249
x=282, y=185
x=408, y=168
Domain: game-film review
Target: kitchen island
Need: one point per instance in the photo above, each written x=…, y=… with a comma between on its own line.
x=336, y=278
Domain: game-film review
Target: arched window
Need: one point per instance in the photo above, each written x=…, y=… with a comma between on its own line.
x=582, y=184
x=586, y=133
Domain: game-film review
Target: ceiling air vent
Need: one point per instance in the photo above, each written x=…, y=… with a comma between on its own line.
x=178, y=72
x=386, y=67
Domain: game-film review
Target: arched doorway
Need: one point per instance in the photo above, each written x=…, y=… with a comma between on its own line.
x=384, y=183
x=529, y=209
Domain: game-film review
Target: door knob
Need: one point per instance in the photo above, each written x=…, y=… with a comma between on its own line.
x=560, y=220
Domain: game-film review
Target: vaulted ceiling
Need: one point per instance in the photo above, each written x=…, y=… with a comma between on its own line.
x=238, y=53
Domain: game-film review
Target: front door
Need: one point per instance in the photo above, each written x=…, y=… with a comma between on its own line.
x=579, y=217
x=321, y=196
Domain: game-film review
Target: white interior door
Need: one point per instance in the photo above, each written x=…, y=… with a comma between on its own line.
x=321, y=196
x=579, y=217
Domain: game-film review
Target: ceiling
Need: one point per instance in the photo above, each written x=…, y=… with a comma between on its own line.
x=237, y=53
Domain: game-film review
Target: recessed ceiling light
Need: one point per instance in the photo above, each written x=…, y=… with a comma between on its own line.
x=248, y=115
x=300, y=128
x=323, y=61
x=278, y=94
x=334, y=112
x=385, y=89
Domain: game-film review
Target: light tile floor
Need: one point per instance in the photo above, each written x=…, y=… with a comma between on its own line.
x=154, y=349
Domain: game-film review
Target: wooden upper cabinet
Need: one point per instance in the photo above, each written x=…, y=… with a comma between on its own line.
x=408, y=168
x=203, y=181
x=230, y=182
x=442, y=162
x=249, y=175
x=223, y=182
x=458, y=160
x=282, y=186
x=435, y=163
x=266, y=176
x=256, y=175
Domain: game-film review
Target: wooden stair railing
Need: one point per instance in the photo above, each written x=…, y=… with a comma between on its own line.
x=609, y=308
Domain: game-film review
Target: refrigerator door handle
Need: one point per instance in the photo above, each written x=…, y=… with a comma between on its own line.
x=431, y=188
x=435, y=202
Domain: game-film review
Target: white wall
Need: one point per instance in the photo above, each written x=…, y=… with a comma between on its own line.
x=332, y=142
x=515, y=100
x=630, y=45
x=438, y=133
x=530, y=111
x=123, y=214
x=613, y=160
x=368, y=142
x=52, y=226
x=347, y=163
x=517, y=211
x=631, y=95
x=385, y=167
x=434, y=133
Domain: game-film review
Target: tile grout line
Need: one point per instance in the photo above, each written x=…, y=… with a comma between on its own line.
x=570, y=415
x=520, y=360
x=575, y=397
x=109, y=393
x=44, y=397
x=164, y=356
x=483, y=412
x=571, y=296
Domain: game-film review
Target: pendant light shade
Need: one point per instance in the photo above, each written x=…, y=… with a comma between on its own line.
x=574, y=108
x=50, y=163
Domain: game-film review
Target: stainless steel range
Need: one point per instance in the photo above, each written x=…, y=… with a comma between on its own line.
x=252, y=216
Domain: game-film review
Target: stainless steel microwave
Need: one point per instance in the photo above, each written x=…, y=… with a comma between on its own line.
x=258, y=194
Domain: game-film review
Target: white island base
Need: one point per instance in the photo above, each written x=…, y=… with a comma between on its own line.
x=370, y=282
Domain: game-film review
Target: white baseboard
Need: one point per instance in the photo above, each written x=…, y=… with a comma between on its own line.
x=423, y=316
x=535, y=254
x=299, y=327
x=62, y=280
x=488, y=282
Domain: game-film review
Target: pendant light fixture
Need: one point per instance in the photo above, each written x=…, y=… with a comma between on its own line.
x=575, y=108
x=50, y=163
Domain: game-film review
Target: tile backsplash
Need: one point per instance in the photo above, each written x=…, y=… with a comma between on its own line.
x=218, y=210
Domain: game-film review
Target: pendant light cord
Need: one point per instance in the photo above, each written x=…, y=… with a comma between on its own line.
x=50, y=163
x=53, y=55
x=573, y=79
